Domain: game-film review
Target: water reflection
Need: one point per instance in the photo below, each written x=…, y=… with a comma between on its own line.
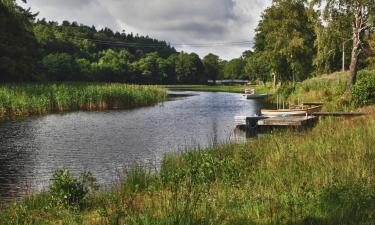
x=106, y=142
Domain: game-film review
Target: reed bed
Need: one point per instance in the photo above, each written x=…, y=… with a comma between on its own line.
x=37, y=99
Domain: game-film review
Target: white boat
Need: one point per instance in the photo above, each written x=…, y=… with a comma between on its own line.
x=255, y=96
x=290, y=112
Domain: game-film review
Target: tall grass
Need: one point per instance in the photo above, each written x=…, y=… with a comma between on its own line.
x=329, y=89
x=321, y=176
x=325, y=175
x=36, y=99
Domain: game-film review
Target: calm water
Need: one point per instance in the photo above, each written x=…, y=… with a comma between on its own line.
x=107, y=142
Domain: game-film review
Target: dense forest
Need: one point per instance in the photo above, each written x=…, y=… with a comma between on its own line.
x=293, y=41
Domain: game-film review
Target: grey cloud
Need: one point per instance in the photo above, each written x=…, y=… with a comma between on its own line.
x=176, y=21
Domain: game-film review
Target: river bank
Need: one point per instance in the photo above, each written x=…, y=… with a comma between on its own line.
x=39, y=99
x=325, y=175
x=322, y=176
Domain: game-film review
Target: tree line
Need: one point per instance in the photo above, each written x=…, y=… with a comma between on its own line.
x=294, y=40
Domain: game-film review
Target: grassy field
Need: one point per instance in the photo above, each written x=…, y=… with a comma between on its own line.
x=36, y=99
x=220, y=88
x=325, y=175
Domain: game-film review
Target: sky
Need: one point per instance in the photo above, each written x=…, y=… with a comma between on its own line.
x=175, y=21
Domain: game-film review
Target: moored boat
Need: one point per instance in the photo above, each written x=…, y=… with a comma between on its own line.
x=255, y=96
x=290, y=112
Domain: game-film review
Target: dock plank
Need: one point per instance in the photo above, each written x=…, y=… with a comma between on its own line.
x=288, y=121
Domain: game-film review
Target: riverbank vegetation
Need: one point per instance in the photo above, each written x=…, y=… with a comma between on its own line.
x=37, y=99
x=324, y=175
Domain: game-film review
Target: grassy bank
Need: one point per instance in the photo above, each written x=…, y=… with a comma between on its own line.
x=322, y=176
x=331, y=90
x=36, y=99
x=220, y=88
x=325, y=175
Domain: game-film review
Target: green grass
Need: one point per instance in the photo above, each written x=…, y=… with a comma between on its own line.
x=37, y=99
x=325, y=175
x=321, y=176
x=329, y=89
x=221, y=88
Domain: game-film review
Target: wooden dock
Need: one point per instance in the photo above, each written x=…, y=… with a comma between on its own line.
x=273, y=122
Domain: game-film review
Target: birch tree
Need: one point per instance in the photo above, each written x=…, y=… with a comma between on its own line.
x=361, y=14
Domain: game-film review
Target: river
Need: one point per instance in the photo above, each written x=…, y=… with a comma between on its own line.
x=107, y=142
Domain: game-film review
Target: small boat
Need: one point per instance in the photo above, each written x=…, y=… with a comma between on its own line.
x=255, y=96
x=300, y=111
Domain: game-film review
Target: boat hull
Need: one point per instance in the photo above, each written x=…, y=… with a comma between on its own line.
x=290, y=112
x=251, y=96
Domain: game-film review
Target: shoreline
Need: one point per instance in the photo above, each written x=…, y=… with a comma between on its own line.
x=322, y=175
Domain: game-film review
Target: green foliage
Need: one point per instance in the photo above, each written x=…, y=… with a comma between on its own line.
x=363, y=92
x=285, y=36
x=329, y=89
x=36, y=99
x=189, y=68
x=234, y=69
x=329, y=43
x=18, y=47
x=59, y=66
x=211, y=64
x=151, y=68
x=138, y=180
x=258, y=67
x=286, y=90
x=67, y=191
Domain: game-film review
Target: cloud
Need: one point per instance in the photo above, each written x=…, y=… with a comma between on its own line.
x=176, y=21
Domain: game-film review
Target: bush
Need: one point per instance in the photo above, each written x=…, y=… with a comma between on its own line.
x=286, y=90
x=363, y=92
x=67, y=191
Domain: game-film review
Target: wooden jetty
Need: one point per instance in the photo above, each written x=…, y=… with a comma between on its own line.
x=272, y=122
x=305, y=115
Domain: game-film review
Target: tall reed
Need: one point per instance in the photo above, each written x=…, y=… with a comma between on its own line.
x=36, y=99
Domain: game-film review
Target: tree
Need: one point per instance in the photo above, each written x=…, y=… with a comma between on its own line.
x=18, y=47
x=152, y=68
x=114, y=66
x=234, y=69
x=332, y=39
x=189, y=69
x=211, y=66
x=361, y=14
x=59, y=67
x=285, y=33
x=257, y=67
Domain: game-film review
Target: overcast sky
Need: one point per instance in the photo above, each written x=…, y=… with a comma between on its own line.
x=175, y=21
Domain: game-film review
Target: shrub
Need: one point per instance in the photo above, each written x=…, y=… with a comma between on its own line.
x=286, y=90
x=363, y=92
x=67, y=191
